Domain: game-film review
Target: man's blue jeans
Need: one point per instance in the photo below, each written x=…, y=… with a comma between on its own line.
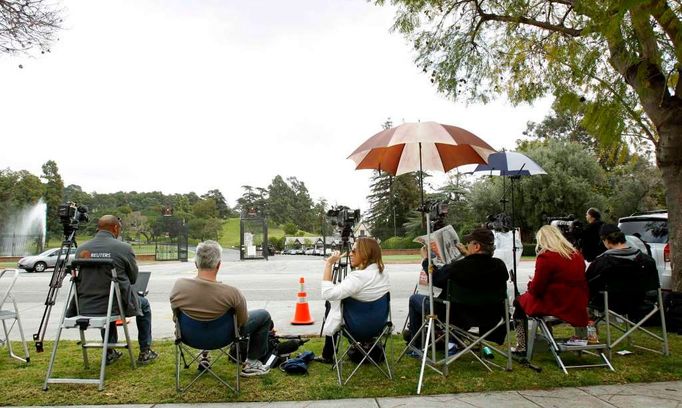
x=415, y=313
x=144, y=327
x=257, y=327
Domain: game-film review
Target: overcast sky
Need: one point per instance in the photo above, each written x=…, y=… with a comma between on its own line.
x=182, y=96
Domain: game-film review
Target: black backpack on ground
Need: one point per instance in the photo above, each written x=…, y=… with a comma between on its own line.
x=377, y=354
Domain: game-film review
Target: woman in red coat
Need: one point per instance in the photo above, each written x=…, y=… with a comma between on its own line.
x=558, y=288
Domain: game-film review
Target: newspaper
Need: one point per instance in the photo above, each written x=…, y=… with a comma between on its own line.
x=443, y=250
x=443, y=245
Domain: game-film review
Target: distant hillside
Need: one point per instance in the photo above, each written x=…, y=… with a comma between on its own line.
x=230, y=237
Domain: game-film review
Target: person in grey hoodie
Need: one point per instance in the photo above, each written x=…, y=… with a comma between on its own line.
x=623, y=270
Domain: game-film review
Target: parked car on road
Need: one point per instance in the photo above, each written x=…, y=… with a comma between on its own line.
x=309, y=251
x=44, y=261
x=652, y=228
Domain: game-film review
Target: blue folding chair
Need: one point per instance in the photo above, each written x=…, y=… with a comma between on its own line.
x=197, y=337
x=368, y=323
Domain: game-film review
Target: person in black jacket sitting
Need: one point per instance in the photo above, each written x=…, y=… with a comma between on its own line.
x=478, y=276
x=625, y=272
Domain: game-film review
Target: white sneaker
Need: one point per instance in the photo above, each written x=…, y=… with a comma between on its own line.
x=252, y=369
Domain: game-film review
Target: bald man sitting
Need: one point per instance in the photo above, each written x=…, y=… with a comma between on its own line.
x=106, y=245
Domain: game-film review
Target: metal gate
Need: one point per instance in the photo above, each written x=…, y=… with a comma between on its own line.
x=253, y=235
x=174, y=247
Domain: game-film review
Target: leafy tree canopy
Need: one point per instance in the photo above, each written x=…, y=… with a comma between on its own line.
x=616, y=62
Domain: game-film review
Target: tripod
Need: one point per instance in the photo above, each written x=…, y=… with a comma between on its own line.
x=60, y=271
x=430, y=321
x=340, y=269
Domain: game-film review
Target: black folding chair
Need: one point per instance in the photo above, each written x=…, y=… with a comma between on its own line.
x=632, y=297
x=364, y=323
x=197, y=337
x=482, y=327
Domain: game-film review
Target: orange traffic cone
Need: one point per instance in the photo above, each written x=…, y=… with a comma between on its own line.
x=302, y=313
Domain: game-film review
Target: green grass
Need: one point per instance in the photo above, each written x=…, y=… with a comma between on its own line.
x=230, y=233
x=416, y=258
x=155, y=383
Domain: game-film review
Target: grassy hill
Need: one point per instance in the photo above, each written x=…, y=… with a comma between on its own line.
x=230, y=237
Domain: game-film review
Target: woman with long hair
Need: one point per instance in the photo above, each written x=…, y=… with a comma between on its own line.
x=558, y=288
x=366, y=282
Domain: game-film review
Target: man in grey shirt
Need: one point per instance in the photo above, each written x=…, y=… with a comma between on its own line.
x=105, y=245
x=205, y=298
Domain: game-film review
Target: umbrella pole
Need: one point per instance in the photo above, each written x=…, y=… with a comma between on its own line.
x=516, y=287
x=431, y=329
x=431, y=319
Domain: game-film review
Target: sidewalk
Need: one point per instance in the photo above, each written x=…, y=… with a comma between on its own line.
x=660, y=395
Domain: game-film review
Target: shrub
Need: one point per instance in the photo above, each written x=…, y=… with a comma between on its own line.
x=529, y=249
x=399, y=243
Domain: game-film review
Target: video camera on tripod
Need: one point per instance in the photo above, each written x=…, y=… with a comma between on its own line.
x=438, y=212
x=71, y=215
x=571, y=228
x=343, y=219
x=499, y=222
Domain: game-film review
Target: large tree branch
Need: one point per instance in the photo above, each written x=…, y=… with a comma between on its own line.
x=573, y=32
x=645, y=35
x=669, y=22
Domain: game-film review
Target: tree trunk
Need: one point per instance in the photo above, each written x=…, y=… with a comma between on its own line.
x=669, y=158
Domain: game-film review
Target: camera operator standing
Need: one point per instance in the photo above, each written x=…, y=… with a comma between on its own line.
x=591, y=244
x=106, y=245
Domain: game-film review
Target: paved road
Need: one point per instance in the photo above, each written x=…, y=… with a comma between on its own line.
x=271, y=284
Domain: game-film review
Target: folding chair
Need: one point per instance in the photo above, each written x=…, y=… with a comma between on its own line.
x=197, y=337
x=628, y=285
x=470, y=340
x=363, y=322
x=539, y=329
x=620, y=319
x=97, y=274
x=6, y=314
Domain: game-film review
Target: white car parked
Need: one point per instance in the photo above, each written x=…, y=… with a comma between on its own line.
x=43, y=261
x=652, y=228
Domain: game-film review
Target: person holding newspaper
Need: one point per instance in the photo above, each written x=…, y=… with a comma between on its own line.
x=478, y=273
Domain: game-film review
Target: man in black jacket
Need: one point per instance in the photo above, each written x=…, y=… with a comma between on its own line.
x=590, y=243
x=93, y=298
x=624, y=271
x=481, y=281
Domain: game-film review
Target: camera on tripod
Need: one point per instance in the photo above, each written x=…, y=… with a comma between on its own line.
x=438, y=211
x=571, y=228
x=71, y=215
x=343, y=218
x=499, y=222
